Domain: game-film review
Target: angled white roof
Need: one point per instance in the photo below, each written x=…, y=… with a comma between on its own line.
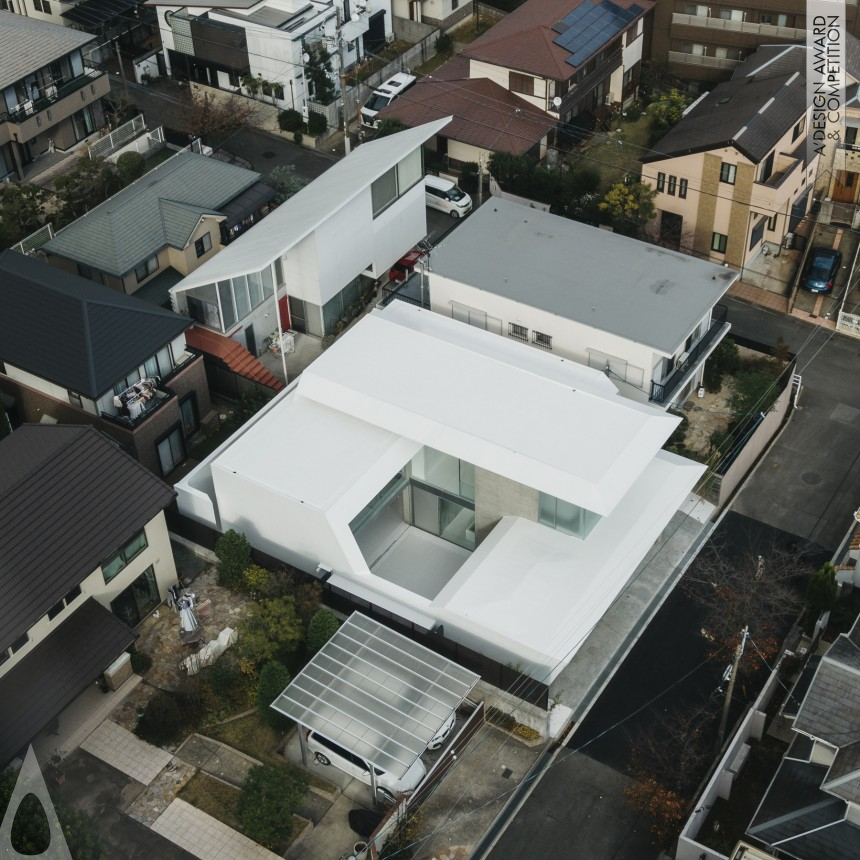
x=638, y=291
x=404, y=378
x=315, y=203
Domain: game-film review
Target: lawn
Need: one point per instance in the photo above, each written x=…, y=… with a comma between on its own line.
x=251, y=736
x=432, y=64
x=161, y=156
x=468, y=32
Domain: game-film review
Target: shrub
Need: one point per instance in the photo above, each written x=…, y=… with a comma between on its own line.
x=271, y=630
x=274, y=677
x=469, y=177
x=297, y=137
x=257, y=580
x=317, y=124
x=444, y=44
x=141, y=662
x=234, y=558
x=289, y=120
x=266, y=804
x=322, y=626
x=161, y=722
x=130, y=166
x=725, y=360
x=821, y=591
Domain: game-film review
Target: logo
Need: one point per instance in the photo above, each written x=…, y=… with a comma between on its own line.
x=31, y=781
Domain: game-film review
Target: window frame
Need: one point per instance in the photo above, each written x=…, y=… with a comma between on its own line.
x=719, y=242
x=148, y=267
x=544, y=341
x=520, y=83
x=200, y=246
x=518, y=332
x=125, y=555
x=661, y=182
x=682, y=188
x=672, y=185
x=728, y=172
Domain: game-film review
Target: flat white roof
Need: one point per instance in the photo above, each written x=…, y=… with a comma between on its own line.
x=638, y=291
x=315, y=203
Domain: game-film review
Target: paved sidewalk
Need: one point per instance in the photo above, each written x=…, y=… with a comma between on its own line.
x=121, y=749
x=206, y=837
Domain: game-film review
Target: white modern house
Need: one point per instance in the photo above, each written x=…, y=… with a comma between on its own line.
x=497, y=495
x=322, y=249
x=220, y=43
x=646, y=316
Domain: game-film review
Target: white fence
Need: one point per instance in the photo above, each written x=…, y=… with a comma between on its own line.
x=34, y=241
x=104, y=146
x=145, y=144
x=849, y=324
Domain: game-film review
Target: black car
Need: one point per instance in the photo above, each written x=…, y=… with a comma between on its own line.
x=821, y=269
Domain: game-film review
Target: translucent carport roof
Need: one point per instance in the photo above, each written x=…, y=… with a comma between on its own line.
x=376, y=693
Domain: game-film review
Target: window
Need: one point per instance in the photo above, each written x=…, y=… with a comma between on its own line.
x=766, y=169
x=661, y=181
x=518, y=83
x=798, y=129
x=771, y=223
x=718, y=242
x=19, y=643
x=628, y=76
x=731, y=14
x=566, y=517
x=203, y=244
x=693, y=48
x=455, y=4
x=145, y=269
x=673, y=182
x=696, y=9
x=727, y=173
x=757, y=233
x=728, y=53
x=544, y=341
x=518, y=332
x=42, y=6
x=777, y=19
x=682, y=188
x=188, y=410
x=117, y=562
x=74, y=398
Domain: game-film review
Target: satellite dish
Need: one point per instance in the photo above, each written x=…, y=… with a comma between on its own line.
x=305, y=57
x=556, y=102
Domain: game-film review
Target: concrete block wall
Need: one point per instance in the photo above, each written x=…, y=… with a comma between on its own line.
x=496, y=497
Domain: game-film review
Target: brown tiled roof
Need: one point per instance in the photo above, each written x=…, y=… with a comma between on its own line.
x=233, y=354
x=525, y=39
x=484, y=114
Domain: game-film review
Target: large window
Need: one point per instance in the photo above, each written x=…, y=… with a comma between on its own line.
x=518, y=83
x=566, y=517
x=719, y=242
x=146, y=268
x=394, y=183
x=117, y=562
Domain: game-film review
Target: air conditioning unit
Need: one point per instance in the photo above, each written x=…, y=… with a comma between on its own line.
x=610, y=98
x=682, y=358
x=389, y=37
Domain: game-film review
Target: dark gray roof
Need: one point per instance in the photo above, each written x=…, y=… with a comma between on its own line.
x=160, y=209
x=843, y=778
x=801, y=748
x=27, y=44
x=772, y=60
x=68, y=498
x=72, y=331
x=798, y=692
x=837, y=841
x=157, y=291
x=831, y=708
x=641, y=292
x=749, y=114
x=56, y=671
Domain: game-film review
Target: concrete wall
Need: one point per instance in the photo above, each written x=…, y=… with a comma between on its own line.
x=496, y=497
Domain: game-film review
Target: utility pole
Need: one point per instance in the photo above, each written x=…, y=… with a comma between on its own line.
x=346, y=144
x=727, y=704
x=121, y=70
x=480, y=179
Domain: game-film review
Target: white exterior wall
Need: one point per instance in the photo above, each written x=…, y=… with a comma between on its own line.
x=57, y=391
x=158, y=554
x=632, y=53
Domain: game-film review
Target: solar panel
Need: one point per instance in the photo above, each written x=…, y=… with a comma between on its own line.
x=586, y=29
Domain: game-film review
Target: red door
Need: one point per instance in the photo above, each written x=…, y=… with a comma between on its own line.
x=284, y=311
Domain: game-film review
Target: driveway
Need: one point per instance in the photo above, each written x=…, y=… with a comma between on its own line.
x=827, y=305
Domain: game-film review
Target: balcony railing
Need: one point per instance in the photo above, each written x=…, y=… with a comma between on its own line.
x=52, y=94
x=663, y=392
x=702, y=60
x=750, y=27
x=131, y=415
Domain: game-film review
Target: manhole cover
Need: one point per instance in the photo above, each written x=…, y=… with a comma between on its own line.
x=268, y=154
x=811, y=477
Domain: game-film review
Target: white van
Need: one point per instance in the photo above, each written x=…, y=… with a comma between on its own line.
x=383, y=95
x=388, y=786
x=446, y=195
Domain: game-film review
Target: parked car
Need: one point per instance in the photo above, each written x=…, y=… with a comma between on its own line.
x=405, y=266
x=442, y=735
x=388, y=786
x=446, y=195
x=383, y=95
x=821, y=269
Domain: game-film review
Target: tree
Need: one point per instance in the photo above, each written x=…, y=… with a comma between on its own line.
x=319, y=72
x=213, y=117
x=668, y=109
x=755, y=390
x=822, y=590
x=725, y=360
x=629, y=204
x=322, y=626
x=274, y=677
x=22, y=212
x=89, y=183
x=161, y=720
x=30, y=829
x=234, y=557
x=664, y=806
x=388, y=126
x=271, y=630
x=267, y=801
x=130, y=165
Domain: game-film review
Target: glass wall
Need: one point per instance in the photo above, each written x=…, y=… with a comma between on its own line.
x=565, y=517
x=220, y=306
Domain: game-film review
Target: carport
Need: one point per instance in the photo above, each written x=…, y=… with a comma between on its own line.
x=376, y=693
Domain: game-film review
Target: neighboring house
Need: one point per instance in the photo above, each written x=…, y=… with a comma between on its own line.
x=321, y=250
x=51, y=90
x=148, y=236
x=443, y=14
x=84, y=556
x=732, y=177
x=497, y=495
x=219, y=44
x=485, y=117
x=75, y=352
x=646, y=316
x=811, y=809
x=576, y=59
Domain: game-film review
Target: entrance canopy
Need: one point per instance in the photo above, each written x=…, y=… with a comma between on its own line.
x=377, y=693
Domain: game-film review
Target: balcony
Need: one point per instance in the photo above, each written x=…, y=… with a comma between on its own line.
x=138, y=403
x=702, y=60
x=663, y=392
x=771, y=31
x=52, y=94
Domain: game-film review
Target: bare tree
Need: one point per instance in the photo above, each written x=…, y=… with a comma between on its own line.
x=213, y=117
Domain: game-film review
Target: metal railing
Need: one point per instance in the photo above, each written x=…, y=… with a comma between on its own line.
x=662, y=392
x=34, y=241
x=702, y=60
x=52, y=94
x=161, y=397
x=750, y=27
x=118, y=137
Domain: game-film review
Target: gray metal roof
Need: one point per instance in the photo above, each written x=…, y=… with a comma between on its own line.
x=97, y=335
x=68, y=498
x=831, y=708
x=750, y=114
x=377, y=693
x=641, y=292
x=843, y=778
x=27, y=44
x=56, y=671
x=158, y=210
x=771, y=60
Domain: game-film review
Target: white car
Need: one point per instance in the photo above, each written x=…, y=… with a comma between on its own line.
x=383, y=95
x=446, y=195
